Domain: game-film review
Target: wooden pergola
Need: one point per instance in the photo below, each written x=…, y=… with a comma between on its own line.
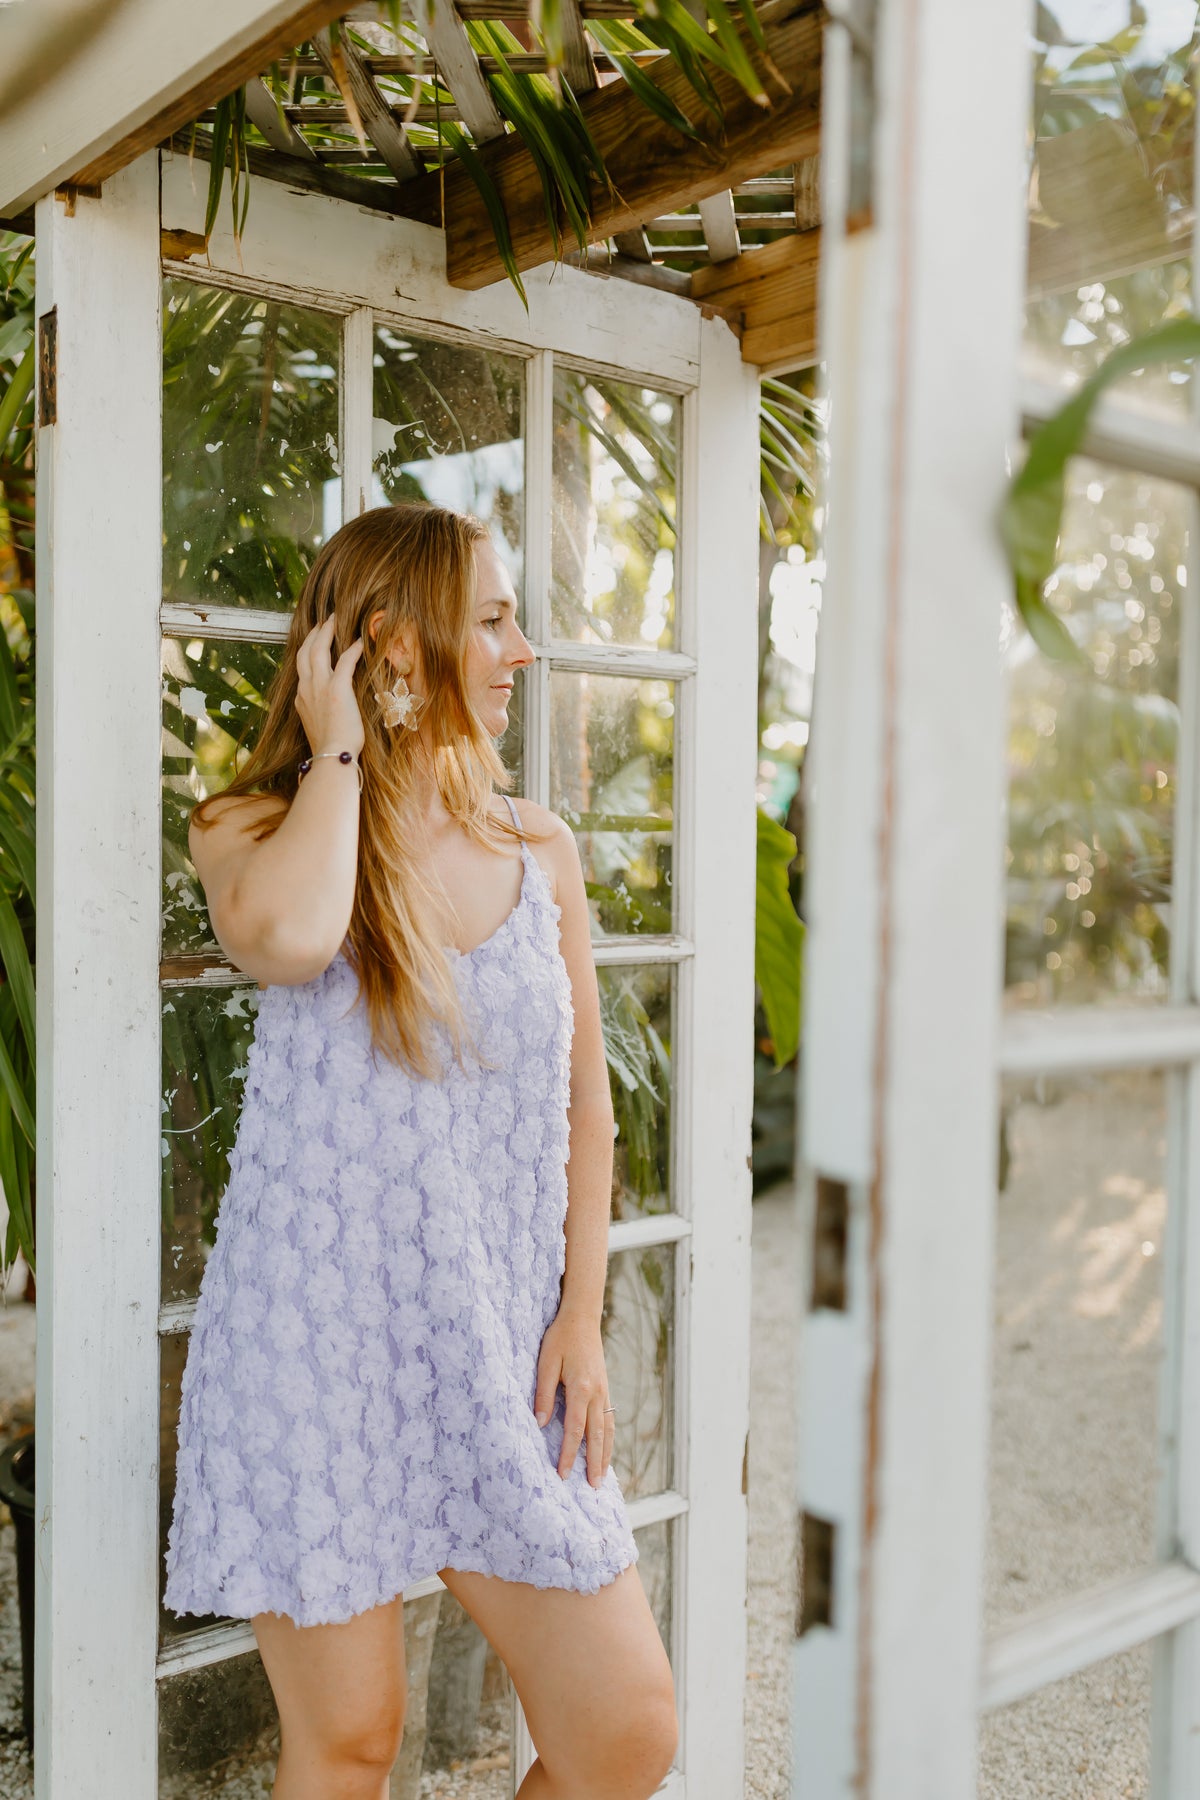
x=729, y=218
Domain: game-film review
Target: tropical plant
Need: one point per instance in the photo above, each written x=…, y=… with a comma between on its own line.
x=542, y=108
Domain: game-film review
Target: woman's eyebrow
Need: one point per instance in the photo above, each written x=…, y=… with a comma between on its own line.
x=499, y=600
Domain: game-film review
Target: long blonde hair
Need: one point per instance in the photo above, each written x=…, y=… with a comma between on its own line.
x=416, y=564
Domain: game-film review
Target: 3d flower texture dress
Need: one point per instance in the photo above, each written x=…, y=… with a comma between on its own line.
x=357, y=1403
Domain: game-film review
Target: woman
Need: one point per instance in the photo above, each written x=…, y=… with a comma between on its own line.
x=396, y=1365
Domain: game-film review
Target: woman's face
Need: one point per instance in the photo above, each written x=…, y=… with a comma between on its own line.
x=498, y=647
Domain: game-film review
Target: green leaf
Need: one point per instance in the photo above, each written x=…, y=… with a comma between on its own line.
x=20, y=1103
x=778, y=938
x=16, y=394
x=640, y=84
x=1031, y=514
x=480, y=174
x=15, y=960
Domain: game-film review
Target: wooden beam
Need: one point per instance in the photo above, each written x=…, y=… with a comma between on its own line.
x=306, y=172
x=652, y=167
x=149, y=71
x=357, y=86
x=774, y=289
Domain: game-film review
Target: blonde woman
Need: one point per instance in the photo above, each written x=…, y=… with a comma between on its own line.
x=396, y=1365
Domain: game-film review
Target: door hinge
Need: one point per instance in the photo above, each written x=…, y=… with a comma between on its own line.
x=831, y=1228
x=47, y=367
x=816, y=1543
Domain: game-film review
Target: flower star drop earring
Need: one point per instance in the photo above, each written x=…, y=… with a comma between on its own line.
x=400, y=705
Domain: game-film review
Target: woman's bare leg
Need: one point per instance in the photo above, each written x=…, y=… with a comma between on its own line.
x=593, y=1679
x=341, y=1691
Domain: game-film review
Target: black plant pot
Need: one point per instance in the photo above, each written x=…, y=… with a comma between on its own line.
x=16, y=1491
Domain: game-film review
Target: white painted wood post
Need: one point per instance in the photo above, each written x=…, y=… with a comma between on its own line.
x=99, y=551
x=920, y=316
x=715, y=822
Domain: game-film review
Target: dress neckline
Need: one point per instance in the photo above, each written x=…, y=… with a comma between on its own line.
x=458, y=955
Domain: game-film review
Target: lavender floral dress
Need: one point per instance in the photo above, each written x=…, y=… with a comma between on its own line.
x=357, y=1404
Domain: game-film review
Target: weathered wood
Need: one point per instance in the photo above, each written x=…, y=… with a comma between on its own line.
x=99, y=560
x=451, y=50
x=774, y=289
x=150, y=71
x=720, y=226
x=579, y=68
x=652, y=167
x=263, y=114
x=303, y=172
x=357, y=86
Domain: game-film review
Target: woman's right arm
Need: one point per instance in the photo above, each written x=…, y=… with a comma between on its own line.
x=281, y=908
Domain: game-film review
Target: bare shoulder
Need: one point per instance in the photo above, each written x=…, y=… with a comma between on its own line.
x=555, y=849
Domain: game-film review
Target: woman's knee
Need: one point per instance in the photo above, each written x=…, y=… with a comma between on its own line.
x=365, y=1733
x=627, y=1752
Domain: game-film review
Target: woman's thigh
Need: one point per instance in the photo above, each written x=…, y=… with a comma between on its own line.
x=590, y=1670
x=340, y=1686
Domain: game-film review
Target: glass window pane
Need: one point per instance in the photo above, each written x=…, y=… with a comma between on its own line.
x=1082, y=1212
x=1110, y=189
x=655, y=1565
x=449, y=428
x=251, y=486
x=206, y=1037
x=1092, y=751
x=616, y=452
x=459, y=1720
x=1085, y=1738
x=636, y=1011
x=213, y=697
x=612, y=751
x=218, y=1730
x=638, y=1329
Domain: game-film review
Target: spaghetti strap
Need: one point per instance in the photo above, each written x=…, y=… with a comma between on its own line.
x=512, y=807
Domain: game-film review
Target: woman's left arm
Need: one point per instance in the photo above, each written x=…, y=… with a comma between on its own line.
x=572, y=1350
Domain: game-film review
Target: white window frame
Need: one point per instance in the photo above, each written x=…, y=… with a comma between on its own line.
x=904, y=1039
x=101, y=617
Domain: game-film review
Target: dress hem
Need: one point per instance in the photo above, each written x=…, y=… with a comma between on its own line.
x=304, y=1616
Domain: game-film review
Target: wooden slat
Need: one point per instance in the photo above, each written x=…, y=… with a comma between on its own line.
x=774, y=287
x=263, y=114
x=720, y=227
x=456, y=60
x=652, y=167
x=347, y=70
x=579, y=68
x=806, y=193
x=634, y=244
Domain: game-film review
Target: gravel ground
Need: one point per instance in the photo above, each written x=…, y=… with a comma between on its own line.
x=775, y=1262
x=1075, y=1415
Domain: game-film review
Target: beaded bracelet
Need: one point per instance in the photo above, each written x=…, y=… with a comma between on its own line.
x=344, y=756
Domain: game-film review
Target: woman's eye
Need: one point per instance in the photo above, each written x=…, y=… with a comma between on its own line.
x=494, y=621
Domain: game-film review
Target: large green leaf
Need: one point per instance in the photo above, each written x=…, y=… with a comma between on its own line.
x=1031, y=517
x=778, y=938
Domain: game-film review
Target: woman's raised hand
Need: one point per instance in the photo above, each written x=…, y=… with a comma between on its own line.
x=325, y=698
